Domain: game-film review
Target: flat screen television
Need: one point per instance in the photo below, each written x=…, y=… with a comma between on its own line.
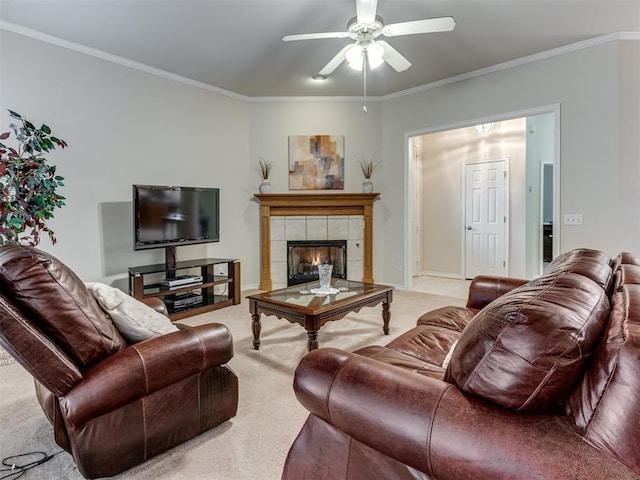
x=169, y=216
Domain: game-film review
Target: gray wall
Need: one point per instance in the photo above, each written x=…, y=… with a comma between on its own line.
x=127, y=126
x=444, y=155
x=597, y=157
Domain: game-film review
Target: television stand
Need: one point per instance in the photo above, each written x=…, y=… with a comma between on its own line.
x=170, y=260
x=218, y=287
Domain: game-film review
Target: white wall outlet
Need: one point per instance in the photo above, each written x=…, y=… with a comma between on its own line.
x=398, y=267
x=572, y=219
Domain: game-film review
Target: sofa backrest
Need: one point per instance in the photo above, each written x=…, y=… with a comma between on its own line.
x=45, y=297
x=604, y=406
x=49, y=365
x=589, y=263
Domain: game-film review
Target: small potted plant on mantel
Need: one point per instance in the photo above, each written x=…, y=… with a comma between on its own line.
x=265, y=167
x=368, y=166
x=28, y=184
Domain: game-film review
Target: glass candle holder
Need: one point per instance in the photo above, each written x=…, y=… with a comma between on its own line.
x=324, y=272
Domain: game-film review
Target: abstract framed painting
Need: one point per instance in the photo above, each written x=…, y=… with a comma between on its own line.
x=316, y=162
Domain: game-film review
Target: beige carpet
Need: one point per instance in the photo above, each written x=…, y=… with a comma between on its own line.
x=5, y=358
x=254, y=444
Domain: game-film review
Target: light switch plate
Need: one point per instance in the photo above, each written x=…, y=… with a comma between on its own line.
x=572, y=219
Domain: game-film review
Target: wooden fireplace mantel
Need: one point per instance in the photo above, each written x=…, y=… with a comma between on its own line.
x=292, y=204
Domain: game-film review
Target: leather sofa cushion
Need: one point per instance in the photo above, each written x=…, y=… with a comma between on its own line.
x=629, y=274
x=527, y=349
x=453, y=318
x=57, y=301
x=402, y=360
x=427, y=343
x=630, y=258
x=592, y=264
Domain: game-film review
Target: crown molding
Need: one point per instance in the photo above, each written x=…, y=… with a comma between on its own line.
x=76, y=47
x=573, y=47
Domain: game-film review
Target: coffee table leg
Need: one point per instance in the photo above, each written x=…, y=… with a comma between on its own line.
x=312, y=340
x=386, y=316
x=256, y=326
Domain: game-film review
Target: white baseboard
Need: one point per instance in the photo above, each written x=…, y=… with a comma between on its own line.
x=456, y=276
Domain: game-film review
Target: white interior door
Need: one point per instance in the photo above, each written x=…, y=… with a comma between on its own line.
x=486, y=218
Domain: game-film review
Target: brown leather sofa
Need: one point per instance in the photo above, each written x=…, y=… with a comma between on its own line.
x=112, y=405
x=542, y=382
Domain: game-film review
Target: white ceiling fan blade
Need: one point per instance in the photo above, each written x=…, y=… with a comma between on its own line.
x=366, y=11
x=314, y=36
x=428, y=25
x=393, y=57
x=335, y=61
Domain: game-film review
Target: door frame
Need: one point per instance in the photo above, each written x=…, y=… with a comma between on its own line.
x=416, y=232
x=507, y=223
x=409, y=174
x=554, y=227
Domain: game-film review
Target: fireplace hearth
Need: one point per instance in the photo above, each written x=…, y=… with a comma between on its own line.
x=304, y=256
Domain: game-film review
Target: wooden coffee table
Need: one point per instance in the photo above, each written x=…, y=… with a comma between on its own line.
x=312, y=311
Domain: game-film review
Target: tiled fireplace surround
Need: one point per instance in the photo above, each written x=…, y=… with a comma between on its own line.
x=321, y=227
x=315, y=216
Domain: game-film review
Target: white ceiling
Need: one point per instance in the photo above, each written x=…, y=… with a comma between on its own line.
x=237, y=45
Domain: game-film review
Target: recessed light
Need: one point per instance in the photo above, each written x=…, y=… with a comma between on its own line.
x=319, y=77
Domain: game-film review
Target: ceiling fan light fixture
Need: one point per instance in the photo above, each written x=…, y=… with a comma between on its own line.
x=484, y=129
x=355, y=56
x=374, y=55
x=365, y=28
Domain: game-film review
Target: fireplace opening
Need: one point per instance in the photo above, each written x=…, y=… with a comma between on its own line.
x=304, y=256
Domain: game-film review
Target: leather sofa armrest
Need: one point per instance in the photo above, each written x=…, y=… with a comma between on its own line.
x=432, y=426
x=484, y=289
x=144, y=368
x=387, y=408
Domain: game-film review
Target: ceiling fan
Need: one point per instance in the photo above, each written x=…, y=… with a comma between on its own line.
x=365, y=28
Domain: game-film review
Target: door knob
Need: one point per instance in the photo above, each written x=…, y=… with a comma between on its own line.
x=468, y=227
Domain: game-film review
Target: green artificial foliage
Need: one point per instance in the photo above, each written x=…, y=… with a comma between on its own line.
x=28, y=183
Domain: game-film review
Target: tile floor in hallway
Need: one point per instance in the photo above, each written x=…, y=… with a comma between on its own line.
x=449, y=287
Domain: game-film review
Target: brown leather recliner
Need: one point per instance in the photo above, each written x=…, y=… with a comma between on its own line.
x=531, y=380
x=112, y=405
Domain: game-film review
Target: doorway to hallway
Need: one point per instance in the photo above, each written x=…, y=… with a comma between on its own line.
x=436, y=238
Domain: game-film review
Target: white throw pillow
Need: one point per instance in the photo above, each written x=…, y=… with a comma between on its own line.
x=134, y=320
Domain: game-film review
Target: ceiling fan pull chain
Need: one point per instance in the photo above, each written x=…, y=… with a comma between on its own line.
x=364, y=69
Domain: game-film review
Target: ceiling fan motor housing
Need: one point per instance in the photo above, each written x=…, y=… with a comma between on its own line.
x=371, y=29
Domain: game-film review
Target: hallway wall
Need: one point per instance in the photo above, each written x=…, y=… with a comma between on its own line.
x=444, y=155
